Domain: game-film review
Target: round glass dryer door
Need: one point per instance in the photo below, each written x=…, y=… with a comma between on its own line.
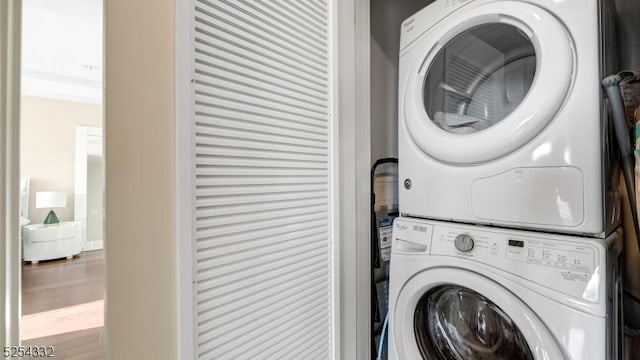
x=485, y=81
x=479, y=78
x=455, y=323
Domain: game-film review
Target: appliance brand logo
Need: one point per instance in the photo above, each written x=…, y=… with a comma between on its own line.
x=452, y=3
x=408, y=25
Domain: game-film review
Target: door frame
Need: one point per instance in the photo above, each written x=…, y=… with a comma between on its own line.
x=186, y=318
x=81, y=176
x=354, y=56
x=10, y=32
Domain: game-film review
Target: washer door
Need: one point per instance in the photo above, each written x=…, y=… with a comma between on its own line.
x=486, y=80
x=467, y=317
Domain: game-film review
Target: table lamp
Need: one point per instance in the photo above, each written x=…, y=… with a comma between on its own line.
x=51, y=200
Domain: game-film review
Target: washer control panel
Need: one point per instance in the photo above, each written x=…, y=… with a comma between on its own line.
x=560, y=255
x=563, y=263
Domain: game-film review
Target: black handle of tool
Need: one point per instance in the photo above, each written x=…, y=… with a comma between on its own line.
x=612, y=87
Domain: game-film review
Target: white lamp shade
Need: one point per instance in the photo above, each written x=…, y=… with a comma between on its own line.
x=51, y=199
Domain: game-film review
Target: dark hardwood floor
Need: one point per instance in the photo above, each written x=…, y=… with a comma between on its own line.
x=58, y=284
x=61, y=283
x=77, y=345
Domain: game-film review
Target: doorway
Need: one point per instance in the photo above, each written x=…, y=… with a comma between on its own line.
x=62, y=177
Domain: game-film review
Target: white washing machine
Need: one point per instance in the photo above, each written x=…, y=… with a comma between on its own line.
x=461, y=292
x=502, y=117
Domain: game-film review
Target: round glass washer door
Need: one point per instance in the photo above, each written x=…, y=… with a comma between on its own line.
x=485, y=81
x=451, y=313
x=456, y=323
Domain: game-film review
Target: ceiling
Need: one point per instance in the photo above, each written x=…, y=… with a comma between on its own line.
x=62, y=49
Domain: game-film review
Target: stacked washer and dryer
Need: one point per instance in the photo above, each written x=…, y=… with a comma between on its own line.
x=509, y=244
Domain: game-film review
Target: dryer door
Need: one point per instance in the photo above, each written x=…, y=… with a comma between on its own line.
x=485, y=81
x=452, y=314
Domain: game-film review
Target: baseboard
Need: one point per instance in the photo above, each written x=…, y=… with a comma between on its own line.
x=94, y=245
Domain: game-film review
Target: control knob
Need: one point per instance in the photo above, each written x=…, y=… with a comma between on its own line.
x=464, y=243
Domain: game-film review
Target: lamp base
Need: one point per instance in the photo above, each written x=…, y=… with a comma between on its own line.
x=51, y=219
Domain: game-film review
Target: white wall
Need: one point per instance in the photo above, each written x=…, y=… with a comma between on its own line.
x=95, y=197
x=47, y=147
x=141, y=306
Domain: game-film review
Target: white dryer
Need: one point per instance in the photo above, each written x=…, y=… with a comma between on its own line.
x=502, y=118
x=461, y=292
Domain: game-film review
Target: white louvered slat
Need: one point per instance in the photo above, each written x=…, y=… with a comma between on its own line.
x=222, y=17
x=239, y=58
x=211, y=91
x=302, y=11
x=235, y=78
x=268, y=280
x=319, y=6
x=259, y=122
x=246, y=248
x=276, y=299
x=233, y=110
x=286, y=23
x=259, y=138
x=305, y=214
x=235, y=209
x=260, y=189
x=239, y=86
x=268, y=297
x=226, y=30
x=284, y=344
x=262, y=165
x=246, y=14
x=211, y=226
x=290, y=18
x=257, y=180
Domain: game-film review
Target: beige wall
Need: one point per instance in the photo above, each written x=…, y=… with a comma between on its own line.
x=386, y=18
x=47, y=142
x=141, y=307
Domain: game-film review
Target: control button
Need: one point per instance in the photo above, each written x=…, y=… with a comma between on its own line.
x=494, y=248
x=582, y=268
x=464, y=243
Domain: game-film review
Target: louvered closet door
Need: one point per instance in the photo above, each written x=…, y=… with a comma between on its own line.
x=263, y=247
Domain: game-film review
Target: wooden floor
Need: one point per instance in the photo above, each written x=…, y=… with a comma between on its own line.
x=56, y=284
x=60, y=287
